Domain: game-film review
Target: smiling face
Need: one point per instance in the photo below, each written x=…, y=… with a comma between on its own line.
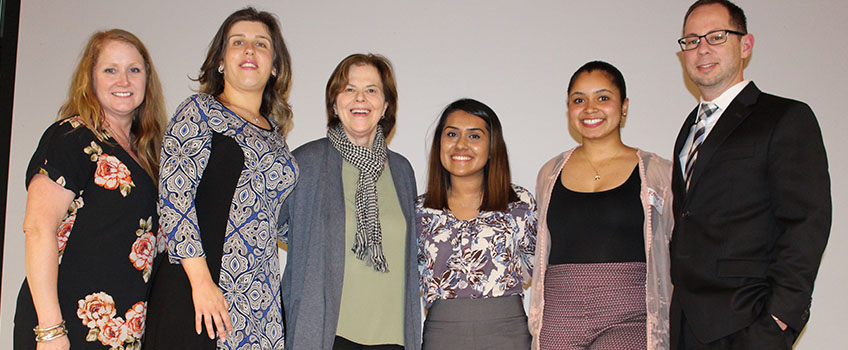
x=594, y=106
x=715, y=68
x=361, y=104
x=248, y=57
x=464, y=145
x=119, y=78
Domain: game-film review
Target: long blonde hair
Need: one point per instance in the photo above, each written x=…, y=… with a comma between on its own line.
x=149, y=119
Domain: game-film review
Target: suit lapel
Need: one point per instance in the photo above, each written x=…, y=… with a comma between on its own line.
x=739, y=109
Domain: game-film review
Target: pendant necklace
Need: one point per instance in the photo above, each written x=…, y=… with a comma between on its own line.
x=245, y=112
x=119, y=137
x=235, y=108
x=597, y=173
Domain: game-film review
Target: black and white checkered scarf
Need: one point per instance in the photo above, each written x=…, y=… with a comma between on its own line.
x=368, y=245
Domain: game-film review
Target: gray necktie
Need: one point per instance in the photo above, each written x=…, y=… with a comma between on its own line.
x=707, y=109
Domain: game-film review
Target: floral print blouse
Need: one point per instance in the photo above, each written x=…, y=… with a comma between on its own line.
x=488, y=256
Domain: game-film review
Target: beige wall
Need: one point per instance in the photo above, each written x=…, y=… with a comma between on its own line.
x=513, y=56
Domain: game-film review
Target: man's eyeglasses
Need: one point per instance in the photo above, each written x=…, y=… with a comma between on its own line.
x=716, y=37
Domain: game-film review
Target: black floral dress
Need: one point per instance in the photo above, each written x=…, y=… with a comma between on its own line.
x=107, y=241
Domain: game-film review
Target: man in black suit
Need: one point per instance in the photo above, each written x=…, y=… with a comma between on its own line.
x=751, y=198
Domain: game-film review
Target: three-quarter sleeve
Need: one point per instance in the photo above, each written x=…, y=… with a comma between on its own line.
x=526, y=221
x=186, y=147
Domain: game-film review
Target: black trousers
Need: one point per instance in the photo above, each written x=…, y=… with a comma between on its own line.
x=763, y=334
x=344, y=344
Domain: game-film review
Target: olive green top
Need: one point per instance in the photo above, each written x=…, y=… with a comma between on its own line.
x=372, y=302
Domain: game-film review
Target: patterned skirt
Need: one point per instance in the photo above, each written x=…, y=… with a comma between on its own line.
x=597, y=306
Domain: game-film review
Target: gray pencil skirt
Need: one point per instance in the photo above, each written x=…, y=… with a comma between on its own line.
x=466, y=324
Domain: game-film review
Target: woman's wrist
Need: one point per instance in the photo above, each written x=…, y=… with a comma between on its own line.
x=45, y=334
x=47, y=322
x=197, y=272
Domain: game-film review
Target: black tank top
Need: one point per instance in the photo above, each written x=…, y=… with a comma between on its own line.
x=597, y=227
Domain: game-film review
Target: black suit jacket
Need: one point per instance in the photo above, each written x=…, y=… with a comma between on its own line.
x=750, y=232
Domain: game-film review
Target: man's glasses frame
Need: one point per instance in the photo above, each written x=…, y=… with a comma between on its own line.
x=716, y=37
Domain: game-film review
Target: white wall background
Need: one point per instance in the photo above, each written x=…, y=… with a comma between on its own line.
x=515, y=56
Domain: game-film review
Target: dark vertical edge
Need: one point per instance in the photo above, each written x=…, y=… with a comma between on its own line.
x=10, y=11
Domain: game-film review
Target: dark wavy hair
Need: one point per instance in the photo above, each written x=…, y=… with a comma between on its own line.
x=275, y=97
x=497, y=183
x=339, y=80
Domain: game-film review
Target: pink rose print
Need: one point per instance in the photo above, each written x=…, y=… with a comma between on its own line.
x=112, y=174
x=64, y=232
x=113, y=333
x=144, y=248
x=67, y=224
x=135, y=319
x=142, y=253
x=96, y=309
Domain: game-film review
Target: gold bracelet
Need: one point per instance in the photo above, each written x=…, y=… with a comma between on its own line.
x=50, y=333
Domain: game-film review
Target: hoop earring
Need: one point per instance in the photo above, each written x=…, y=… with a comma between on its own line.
x=221, y=69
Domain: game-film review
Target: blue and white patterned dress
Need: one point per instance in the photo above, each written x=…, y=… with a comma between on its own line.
x=223, y=181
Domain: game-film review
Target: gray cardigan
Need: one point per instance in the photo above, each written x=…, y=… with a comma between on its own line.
x=315, y=215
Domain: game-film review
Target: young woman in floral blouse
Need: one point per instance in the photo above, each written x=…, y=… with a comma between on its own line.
x=91, y=192
x=478, y=236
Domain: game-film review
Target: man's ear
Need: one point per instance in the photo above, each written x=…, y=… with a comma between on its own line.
x=747, y=45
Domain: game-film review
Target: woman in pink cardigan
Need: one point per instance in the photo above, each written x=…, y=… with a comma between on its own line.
x=601, y=278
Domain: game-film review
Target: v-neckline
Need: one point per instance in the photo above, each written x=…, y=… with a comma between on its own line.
x=118, y=148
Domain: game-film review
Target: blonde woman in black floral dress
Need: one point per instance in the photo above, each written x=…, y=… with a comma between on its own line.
x=91, y=220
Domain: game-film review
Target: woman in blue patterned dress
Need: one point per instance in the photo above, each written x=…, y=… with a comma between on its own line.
x=91, y=192
x=478, y=236
x=226, y=170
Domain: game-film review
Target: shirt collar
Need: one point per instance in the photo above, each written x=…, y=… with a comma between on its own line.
x=726, y=97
